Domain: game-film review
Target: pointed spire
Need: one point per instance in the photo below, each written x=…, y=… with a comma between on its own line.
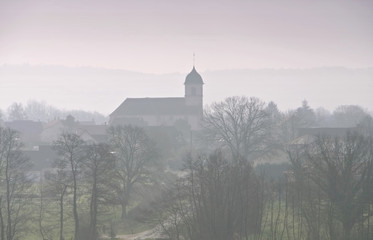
x=194, y=60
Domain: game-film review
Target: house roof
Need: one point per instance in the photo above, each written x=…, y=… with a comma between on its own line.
x=332, y=131
x=303, y=140
x=154, y=106
x=25, y=126
x=97, y=132
x=94, y=129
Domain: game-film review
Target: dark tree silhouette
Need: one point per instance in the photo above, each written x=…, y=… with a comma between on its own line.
x=14, y=185
x=98, y=168
x=218, y=199
x=333, y=176
x=69, y=147
x=134, y=152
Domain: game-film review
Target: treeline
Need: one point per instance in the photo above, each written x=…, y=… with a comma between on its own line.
x=43, y=112
x=325, y=194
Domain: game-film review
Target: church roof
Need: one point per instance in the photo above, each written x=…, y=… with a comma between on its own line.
x=154, y=106
x=193, y=77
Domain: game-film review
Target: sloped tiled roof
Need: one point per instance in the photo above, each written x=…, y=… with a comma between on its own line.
x=25, y=126
x=97, y=132
x=94, y=129
x=332, y=131
x=303, y=140
x=154, y=106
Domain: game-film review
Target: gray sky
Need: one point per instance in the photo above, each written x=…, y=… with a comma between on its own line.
x=160, y=36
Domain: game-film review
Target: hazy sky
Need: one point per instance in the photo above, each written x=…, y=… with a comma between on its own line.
x=160, y=36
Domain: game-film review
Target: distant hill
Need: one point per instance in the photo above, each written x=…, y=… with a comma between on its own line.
x=102, y=90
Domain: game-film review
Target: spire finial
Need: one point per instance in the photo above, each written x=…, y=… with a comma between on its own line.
x=194, y=60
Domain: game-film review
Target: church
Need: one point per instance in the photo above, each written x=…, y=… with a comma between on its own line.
x=169, y=111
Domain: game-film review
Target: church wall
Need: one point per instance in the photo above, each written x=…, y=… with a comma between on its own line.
x=160, y=120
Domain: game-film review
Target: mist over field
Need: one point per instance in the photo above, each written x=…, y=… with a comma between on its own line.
x=186, y=120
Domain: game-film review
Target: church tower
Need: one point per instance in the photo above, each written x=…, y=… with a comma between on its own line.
x=194, y=89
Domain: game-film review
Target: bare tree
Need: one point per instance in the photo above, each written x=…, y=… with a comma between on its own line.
x=342, y=168
x=69, y=147
x=46, y=226
x=217, y=199
x=241, y=124
x=57, y=185
x=348, y=115
x=41, y=111
x=16, y=112
x=331, y=178
x=134, y=152
x=14, y=184
x=98, y=167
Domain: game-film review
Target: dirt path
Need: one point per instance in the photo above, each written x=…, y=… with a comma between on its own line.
x=152, y=233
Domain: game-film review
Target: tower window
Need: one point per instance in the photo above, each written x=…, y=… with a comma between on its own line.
x=193, y=91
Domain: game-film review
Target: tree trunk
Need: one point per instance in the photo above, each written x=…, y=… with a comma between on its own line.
x=93, y=211
x=124, y=210
x=61, y=213
x=126, y=195
x=9, y=232
x=75, y=210
x=347, y=231
x=1, y=221
x=41, y=212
